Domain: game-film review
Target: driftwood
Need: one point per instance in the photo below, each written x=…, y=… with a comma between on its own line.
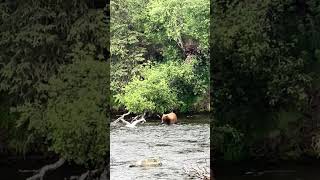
x=137, y=119
x=86, y=175
x=121, y=117
x=41, y=172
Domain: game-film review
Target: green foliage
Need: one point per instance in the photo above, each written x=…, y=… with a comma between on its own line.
x=229, y=141
x=152, y=95
x=162, y=88
x=145, y=33
x=256, y=69
x=33, y=43
x=176, y=19
x=127, y=49
x=77, y=111
x=74, y=121
x=265, y=62
x=12, y=139
x=55, y=77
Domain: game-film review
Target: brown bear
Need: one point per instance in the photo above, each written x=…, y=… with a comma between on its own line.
x=170, y=118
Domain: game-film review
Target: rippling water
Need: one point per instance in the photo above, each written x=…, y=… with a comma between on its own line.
x=293, y=171
x=186, y=144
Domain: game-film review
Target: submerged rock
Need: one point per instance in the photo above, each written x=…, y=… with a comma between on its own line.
x=150, y=162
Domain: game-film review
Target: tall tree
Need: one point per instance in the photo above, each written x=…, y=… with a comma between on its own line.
x=262, y=54
x=54, y=72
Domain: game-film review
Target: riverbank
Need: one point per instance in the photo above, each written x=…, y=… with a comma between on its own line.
x=155, y=117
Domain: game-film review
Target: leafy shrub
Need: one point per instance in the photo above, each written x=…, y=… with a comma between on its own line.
x=161, y=88
x=76, y=114
x=228, y=141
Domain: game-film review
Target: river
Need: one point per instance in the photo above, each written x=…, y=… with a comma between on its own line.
x=184, y=145
x=304, y=170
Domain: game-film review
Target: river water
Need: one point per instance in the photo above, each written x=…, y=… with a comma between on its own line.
x=177, y=146
x=186, y=144
x=278, y=171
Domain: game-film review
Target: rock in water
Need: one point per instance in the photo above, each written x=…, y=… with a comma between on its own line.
x=150, y=162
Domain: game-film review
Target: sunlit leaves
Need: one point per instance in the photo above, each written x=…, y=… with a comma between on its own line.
x=162, y=88
x=174, y=19
x=144, y=33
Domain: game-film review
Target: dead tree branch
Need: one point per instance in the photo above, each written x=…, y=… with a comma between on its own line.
x=28, y=171
x=44, y=169
x=84, y=175
x=141, y=117
x=121, y=117
x=137, y=119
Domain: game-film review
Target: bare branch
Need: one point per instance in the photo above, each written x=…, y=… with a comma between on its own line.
x=84, y=175
x=135, y=118
x=134, y=121
x=28, y=171
x=46, y=168
x=122, y=117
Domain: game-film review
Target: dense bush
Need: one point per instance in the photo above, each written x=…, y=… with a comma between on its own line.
x=55, y=78
x=162, y=88
x=76, y=114
x=265, y=62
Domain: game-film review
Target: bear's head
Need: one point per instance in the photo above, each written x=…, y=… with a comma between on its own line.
x=165, y=119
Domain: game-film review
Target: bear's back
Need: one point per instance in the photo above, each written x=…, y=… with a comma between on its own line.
x=170, y=118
